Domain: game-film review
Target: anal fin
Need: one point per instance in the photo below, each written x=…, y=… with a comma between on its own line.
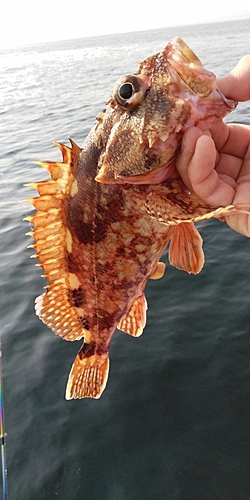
x=88, y=375
x=134, y=321
x=185, y=248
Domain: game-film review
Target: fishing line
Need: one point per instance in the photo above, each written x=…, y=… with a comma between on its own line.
x=2, y=431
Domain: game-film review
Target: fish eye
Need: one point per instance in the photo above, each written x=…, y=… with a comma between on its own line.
x=129, y=91
x=126, y=91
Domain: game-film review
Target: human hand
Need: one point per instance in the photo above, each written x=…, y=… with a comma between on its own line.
x=223, y=152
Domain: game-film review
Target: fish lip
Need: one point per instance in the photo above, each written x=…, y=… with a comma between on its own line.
x=187, y=67
x=186, y=51
x=182, y=57
x=154, y=176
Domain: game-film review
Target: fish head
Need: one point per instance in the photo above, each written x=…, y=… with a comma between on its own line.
x=150, y=110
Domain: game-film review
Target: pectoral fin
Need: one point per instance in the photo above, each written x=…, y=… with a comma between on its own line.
x=185, y=248
x=135, y=320
x=176, y=205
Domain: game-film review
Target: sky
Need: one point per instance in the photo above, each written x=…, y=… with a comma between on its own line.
x=28, y=21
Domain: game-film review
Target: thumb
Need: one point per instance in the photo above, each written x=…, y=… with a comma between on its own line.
x=236, y=85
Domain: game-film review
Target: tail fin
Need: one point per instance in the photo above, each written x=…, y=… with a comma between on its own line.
x=88, y=376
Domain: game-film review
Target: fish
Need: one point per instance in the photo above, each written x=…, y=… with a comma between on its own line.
x=111, y=207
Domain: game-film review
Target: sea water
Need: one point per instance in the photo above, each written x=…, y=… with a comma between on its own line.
x=174, y=420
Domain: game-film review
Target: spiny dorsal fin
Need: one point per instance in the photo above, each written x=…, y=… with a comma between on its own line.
x=51, y=237
x=47, y=187
x=70, y=155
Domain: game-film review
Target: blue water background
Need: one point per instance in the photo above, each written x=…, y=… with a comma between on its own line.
x=174, y=421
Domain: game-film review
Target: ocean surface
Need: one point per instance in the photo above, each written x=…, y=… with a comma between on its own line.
x=174, y=420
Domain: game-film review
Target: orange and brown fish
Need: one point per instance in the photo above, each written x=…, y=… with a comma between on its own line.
x=104, y=219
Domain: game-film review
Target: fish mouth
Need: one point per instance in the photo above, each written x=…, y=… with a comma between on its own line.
x=154, y=176
x=186, y=51
x=190, y=69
